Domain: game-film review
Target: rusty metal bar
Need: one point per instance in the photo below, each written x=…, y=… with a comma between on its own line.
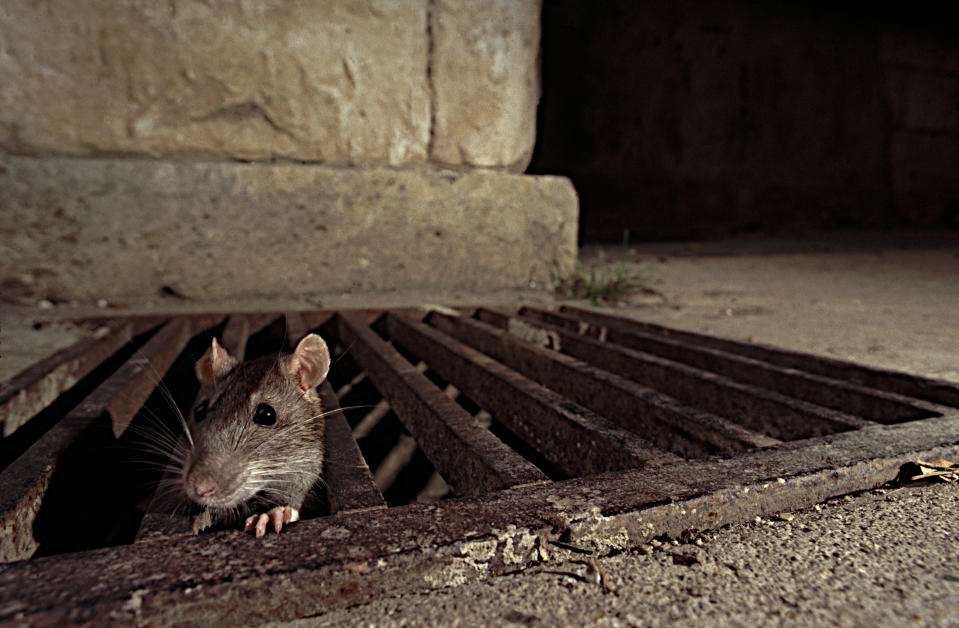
x=33, y=389
x=469, y=457
x=349, y=483
x=117, y=399
x=148, y=367
x=933, y=390
x=762, y=410
x=220, y=577
x=296, y=328
x=235, y=335
x=855, y=399
x=571, y=437
x=654, y=416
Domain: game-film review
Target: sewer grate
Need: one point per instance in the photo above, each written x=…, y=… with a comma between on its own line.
x=566, y=425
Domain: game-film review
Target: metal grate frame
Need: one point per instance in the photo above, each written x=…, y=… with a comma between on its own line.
x=545, y=425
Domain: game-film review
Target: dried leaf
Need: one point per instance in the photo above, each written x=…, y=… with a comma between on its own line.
x=202, y=521
x=919, y=470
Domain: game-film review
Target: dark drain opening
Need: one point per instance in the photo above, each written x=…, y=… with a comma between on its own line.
x=544, y=425
x=101, y=485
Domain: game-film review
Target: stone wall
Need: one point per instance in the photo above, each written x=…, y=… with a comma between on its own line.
x=397, y=82
x=384, y=138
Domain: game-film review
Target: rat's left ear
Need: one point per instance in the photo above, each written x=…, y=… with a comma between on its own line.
x=310, y=362
x=214, y=364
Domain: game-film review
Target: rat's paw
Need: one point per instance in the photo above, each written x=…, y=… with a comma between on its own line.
x=279, y=515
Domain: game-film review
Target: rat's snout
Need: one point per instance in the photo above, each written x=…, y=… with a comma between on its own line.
x=201, y=483
x=216, y=481
x=205, y=485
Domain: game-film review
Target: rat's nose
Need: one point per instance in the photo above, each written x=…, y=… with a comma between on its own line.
x=204, y=486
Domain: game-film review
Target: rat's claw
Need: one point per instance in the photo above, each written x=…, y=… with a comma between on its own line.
x=278, y=516
x=256, y=524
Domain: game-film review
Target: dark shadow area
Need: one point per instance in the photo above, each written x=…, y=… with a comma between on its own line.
x=270, y=340
x=700, y=119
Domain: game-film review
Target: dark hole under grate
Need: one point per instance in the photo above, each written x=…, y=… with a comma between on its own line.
x=545, y=425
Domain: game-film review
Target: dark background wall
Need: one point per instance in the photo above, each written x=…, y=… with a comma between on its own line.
x=698, y=118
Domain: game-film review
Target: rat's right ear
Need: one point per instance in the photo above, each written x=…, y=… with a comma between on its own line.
x=214, y=364
x=310, y=362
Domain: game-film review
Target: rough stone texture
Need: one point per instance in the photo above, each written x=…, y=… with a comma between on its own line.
x=485, y=75
x=123, y=229
x=338, y=82
x=333, y=82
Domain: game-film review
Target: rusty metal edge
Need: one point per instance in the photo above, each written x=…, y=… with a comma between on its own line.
x=683, y=429
x=154, y=359
x=34, y=388
x=349, y=483
x=937, y=391
x=845, y=396
x=536, y=414
x=334, y=562
x=782, y=413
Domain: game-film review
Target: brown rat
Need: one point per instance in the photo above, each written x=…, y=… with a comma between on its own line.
x=256, y=434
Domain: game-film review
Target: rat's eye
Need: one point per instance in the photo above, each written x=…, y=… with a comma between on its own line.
x=264, y=415
x=199, y=412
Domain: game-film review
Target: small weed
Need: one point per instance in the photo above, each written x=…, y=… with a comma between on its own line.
x=603, y=284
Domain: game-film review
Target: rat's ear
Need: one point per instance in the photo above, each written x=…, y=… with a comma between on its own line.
x=214, y=364
x=310, y=362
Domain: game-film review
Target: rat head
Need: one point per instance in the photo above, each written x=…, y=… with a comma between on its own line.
x=257, y=427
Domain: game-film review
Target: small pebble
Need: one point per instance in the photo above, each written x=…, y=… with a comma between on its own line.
x=44, y=304
x=102, y=303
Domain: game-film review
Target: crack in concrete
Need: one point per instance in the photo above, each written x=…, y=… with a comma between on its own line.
x=430, y=86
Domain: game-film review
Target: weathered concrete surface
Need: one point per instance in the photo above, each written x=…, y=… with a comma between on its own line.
x=485, y=75
x=123, y=229
x=879, y=558
x=334, y=82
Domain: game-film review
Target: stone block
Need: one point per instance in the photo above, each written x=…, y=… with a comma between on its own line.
x=329, y=81
x=485, y=79
x=123, y=229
